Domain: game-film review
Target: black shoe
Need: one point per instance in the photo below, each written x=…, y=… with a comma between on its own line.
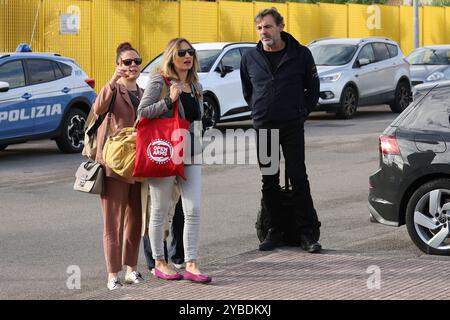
x=273, y=240
x=310, y=245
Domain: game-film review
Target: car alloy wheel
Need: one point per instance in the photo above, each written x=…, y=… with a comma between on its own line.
x=431, y=220
x=210, y=113
x=75, y=131
x=71, y=139
x=428, y=217
x=402, y=97
x=349, y=103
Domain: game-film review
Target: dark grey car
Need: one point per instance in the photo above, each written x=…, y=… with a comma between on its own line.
x=412, y=184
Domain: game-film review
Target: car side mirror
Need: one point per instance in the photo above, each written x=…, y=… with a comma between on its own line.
x=4, y=86
x=363, y=62
x=224, y=70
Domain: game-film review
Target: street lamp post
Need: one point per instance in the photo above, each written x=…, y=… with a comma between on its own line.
x=416, y=30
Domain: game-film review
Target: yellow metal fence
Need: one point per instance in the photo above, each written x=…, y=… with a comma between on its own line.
x=150, y=24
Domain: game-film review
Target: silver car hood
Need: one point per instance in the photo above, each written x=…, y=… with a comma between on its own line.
x=423, y=71
x=323, y=70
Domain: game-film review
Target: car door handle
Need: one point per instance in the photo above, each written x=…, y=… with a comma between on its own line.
x=65, y=90
x=27, y=96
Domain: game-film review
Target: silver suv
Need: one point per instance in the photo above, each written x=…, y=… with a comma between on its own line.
x=360, y=71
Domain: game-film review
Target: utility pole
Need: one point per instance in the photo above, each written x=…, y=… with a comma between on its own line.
x=416, y=29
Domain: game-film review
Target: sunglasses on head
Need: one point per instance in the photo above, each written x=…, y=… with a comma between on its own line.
x=182, y=52
x=128, y=62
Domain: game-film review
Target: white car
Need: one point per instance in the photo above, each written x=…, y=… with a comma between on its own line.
x=358, y=72
x=220, y=77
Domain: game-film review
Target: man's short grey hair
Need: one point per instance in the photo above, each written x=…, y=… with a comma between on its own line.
x=279, y=20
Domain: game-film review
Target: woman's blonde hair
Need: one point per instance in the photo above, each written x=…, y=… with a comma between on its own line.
x=167, y=68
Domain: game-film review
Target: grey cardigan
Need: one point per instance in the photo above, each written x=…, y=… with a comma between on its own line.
x=152, y=106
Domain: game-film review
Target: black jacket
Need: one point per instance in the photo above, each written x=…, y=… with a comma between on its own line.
x=287, y=95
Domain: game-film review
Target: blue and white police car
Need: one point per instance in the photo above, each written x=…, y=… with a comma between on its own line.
x=43, y=95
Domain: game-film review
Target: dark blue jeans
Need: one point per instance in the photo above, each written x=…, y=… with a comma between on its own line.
x=175, y=251
x=292, y=142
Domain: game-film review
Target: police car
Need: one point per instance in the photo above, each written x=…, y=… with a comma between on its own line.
x=43, y=95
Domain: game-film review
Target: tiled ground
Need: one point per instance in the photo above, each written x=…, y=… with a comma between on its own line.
x=291, y=274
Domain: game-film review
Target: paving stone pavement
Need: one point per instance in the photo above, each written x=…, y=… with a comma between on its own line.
x=292, y=274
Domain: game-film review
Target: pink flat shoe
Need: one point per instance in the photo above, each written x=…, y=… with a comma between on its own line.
x=162, y=275
x=201, y=278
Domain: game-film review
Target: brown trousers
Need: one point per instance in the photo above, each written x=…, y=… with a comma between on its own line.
x=121, y=206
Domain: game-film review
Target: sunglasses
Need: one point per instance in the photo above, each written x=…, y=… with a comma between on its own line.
x=128, y=62
x=182, y=53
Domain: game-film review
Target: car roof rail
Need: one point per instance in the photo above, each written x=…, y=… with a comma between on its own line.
x=237, y=43
x=376, y=38
x=321, y=39
x=46, y=54
x=242, y=42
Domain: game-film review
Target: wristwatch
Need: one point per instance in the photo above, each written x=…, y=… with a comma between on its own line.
x=168, y=103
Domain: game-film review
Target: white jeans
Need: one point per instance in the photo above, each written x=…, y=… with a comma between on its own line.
x=161, y=196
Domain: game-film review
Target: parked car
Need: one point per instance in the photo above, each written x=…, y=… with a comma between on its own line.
x=43, y=95
x=356, y=72
x=429, y=64
x=220, y=77
x=412, y=183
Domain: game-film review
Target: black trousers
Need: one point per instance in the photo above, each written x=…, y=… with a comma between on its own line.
x=175, y=251
x=292, y=142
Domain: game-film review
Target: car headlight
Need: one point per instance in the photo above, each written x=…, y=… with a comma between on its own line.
x=436, y=76
x=331, y=78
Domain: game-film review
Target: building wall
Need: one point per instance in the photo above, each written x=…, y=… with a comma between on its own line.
x=150, y=24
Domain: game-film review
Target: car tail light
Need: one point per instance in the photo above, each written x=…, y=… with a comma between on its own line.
x=90, y=82
x=389, y=145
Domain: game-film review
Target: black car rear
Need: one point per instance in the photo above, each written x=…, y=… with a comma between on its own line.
x=412, y=184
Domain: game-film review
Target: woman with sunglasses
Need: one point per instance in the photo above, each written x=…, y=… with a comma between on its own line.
x=121, y=198
x=179, y=67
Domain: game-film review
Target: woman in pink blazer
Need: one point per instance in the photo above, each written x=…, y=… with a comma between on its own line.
x=121, y=198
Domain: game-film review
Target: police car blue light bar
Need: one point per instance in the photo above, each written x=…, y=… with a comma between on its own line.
x=23, y=47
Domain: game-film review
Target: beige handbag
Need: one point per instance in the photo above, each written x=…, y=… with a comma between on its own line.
x=89, y=177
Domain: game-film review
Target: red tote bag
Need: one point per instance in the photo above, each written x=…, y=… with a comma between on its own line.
x=160, y=146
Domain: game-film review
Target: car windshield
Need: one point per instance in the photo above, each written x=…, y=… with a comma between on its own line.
x=206, y=59
x=427, y=56
x=332, y=54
